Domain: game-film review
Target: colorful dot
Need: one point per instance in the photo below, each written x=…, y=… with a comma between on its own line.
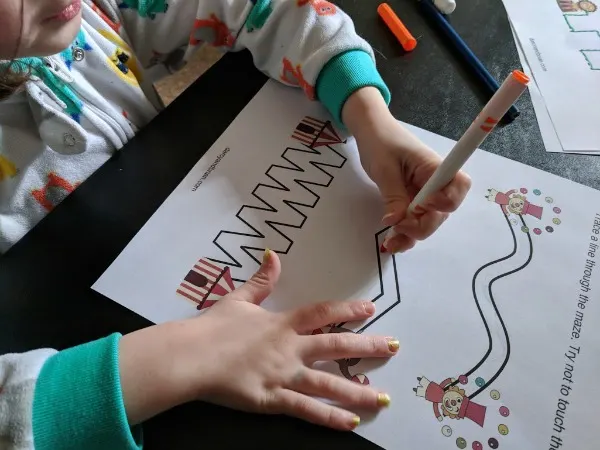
x=477, y=445
x=479, y=381
x=557, y=210
x=549, y=200
x=504, y=411
x=495, y=395
x=493, y=442
x=463, y=379
x=537, y=192
x=523, y=191
x=549, y=229
x=503, y=429
x=446, y=431
x=525, y=229
x=537, y=231
x=461, y=443
x=556, y=221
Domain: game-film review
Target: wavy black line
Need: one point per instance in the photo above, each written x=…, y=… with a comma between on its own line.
x=507, y=357
x=476, y=298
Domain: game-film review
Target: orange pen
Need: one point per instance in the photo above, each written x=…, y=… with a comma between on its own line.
x=397, y=27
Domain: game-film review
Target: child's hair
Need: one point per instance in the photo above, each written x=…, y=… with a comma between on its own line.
x=13, y=80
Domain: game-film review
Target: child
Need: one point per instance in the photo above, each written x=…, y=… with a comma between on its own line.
x=74, y=91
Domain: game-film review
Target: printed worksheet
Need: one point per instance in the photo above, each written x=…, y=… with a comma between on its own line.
x=561, y=43
x=551, y=141
x=497, y=313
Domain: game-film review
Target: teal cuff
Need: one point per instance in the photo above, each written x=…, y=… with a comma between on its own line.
x=343, y=75
x=259, y=14
x=78, y=402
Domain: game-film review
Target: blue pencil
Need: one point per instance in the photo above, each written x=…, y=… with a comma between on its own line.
x=487, y=80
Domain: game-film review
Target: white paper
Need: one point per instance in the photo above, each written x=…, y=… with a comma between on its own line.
x=549, y=136
x=329, y=250
x=551, y=142
x=561, y=42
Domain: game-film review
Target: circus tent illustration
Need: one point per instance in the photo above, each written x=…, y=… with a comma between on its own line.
x=316, y=133
x=206, y=283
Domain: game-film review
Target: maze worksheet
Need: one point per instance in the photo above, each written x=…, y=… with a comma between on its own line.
x=561, y=43
x=497, y=313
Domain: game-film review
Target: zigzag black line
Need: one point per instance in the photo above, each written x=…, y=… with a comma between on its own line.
x=270, y=208
x=381, y=289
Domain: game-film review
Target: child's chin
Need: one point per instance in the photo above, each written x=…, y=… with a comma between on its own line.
x=60, y=39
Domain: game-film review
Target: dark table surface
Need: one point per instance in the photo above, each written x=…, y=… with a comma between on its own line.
x=46, y=299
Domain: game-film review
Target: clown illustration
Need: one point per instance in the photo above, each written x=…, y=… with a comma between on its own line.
x=513, y=202
x=578, y=6
x=454, y=403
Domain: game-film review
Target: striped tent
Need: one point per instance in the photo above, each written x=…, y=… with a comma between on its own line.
x=206, y=283
x=316, y=133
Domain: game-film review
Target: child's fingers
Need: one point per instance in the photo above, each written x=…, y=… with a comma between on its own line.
x=335, y=388
x=309, y=318
x=388, y=178
x=260, y=286
x=332, y=346
x=451, y=197
x=399, y=244
x=422, y=227
x=314, y=411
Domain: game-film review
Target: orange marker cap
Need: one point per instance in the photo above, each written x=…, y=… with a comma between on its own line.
x=396, y=26
x=520, y=77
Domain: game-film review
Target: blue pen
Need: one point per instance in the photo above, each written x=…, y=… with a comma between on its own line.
x=487, y=80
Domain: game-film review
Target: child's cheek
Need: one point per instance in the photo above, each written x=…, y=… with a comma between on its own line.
x=9, y=35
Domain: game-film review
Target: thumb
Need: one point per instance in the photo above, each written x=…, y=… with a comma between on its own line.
x=395, y=195
x=260, y=286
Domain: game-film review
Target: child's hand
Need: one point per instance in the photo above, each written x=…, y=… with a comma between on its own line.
x=400, y=164
x=241, y=356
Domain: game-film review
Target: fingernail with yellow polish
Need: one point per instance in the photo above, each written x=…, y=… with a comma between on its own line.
x=383, y=400
x=267, y=255
x=355, y=422
x=393, y=345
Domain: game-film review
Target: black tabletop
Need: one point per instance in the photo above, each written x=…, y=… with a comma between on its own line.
x=45, y=294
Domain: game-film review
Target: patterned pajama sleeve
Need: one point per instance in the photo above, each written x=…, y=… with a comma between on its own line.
x=311, y=44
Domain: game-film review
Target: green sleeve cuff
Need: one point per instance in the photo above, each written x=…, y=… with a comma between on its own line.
x=259, y=14
x=78, y=402
x=343, y=75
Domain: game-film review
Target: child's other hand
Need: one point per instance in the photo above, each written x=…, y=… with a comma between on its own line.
x=242, y=356
x=261, y=361
x=400, y=164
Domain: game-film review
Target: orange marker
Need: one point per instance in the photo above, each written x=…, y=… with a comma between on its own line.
x=397, y=27
x=510, y=91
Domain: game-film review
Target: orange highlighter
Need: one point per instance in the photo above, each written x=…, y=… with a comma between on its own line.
x=397, y=27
